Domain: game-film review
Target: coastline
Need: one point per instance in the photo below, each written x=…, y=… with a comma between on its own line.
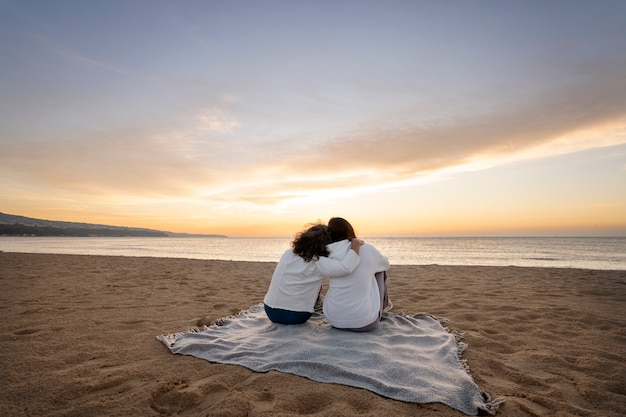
x=79, y=338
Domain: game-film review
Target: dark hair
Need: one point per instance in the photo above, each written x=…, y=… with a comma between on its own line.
x=311, y=243
x=340, y=229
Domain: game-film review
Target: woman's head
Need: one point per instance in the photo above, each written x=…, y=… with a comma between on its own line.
x=340, y=229
x=311, y=243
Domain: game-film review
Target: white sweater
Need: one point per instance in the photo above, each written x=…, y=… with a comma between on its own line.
x=296, y=283
x=353, y=301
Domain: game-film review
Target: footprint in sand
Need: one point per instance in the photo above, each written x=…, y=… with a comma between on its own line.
x=26, y=332
x=174, y=397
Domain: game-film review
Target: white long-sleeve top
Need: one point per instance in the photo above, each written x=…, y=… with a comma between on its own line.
x=295, y=283
x=353, y=301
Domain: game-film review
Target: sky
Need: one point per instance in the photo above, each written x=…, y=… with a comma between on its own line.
x=255, y=118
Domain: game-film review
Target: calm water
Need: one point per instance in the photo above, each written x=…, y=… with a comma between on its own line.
x=585, y=252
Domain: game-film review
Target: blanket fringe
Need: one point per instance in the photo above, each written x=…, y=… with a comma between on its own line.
x=490, y=406
x=169, y=339
x=243, y=313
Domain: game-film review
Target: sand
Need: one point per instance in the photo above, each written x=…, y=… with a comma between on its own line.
x=78, y=338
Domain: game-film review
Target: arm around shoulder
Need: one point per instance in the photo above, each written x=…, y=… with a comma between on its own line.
x=339, y=267
x=379, y=261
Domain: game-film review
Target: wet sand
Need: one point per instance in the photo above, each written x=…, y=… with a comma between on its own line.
x=78, y=338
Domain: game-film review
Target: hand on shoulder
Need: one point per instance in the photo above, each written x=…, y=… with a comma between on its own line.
x=356, y=244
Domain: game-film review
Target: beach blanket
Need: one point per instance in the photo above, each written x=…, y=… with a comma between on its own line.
x=411, y=358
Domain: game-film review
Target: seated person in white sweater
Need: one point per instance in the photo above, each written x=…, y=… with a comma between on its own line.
x=297, y=279
x=356, y=301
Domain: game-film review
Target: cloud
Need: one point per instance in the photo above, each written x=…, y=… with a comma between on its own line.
x=95, y=162
x=560, y=121
x=207, y=155
x=411, y=150
x=73, y=55
x=216, y=120
x=192, y=32
x=196, y=152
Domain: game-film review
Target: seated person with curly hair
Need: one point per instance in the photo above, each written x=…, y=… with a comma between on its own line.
x=297, y=279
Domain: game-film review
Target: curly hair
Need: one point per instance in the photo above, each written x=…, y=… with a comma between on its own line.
x=311, y=243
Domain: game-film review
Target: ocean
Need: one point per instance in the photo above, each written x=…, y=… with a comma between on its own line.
x=558, y=252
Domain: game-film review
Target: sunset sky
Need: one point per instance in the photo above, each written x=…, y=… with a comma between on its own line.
x=252, y=118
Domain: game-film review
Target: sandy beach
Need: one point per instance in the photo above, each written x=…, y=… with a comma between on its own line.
x=78, y=338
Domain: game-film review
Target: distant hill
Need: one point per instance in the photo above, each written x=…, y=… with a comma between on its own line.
x=12, y=225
